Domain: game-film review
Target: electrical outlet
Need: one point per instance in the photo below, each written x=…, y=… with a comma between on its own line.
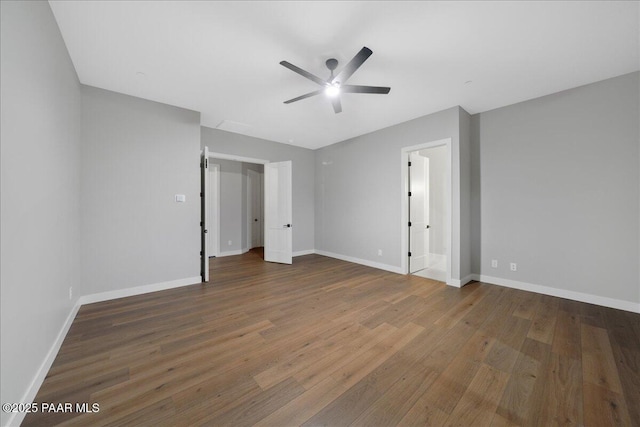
x=379, y=252
x=514, y=266
x=494, y=263
x=70, y=292
x=229, y=243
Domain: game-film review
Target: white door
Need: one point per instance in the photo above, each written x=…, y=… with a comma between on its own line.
x=278, y=245
x=204, y=217
x=213, y=201
x=418, y=212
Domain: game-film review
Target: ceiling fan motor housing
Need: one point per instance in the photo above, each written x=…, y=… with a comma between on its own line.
x=332, y=63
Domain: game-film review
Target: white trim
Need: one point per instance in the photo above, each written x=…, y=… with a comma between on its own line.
x=204, y=217
x=380, y=266
x=248, y=231
x=234, y=252
x=214, y=168
x=460, y=283
x=561, y=293
x=138, y=290
x=455, y=283
x=237, y=158
x=29, y=396
x=245, y=250
x=404, y=216
x=307, y=252
x=16, y=418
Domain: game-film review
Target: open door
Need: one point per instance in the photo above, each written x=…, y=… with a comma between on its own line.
x=418, y=212
x=278, y=244
x=204, y=217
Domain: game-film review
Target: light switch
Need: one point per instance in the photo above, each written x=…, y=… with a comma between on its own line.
x=180, y=198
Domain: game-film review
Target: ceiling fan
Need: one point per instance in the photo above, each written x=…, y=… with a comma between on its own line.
x=334, y=86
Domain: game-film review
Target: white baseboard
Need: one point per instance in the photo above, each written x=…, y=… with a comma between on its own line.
x=380, y=266
x=562, y=293
x=138, y=290
x=458, y=283
x=16, y=418
x=231, y=253
x=307, y=252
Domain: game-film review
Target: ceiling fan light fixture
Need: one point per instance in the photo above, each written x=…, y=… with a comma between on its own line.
x=332, y=90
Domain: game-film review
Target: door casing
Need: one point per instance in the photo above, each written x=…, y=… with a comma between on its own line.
x=213, y=201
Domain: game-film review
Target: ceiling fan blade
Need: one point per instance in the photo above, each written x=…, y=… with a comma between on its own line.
x=306, y=95
x=303, y=73
x=364, y=89
x=337, y=106
x=353, y=65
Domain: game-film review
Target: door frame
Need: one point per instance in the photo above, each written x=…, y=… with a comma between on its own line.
x=224, y=156
x=214, y=208
x=404, y=196
x=204, y=215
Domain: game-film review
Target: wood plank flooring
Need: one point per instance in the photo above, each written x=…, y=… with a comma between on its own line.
x=326, y=342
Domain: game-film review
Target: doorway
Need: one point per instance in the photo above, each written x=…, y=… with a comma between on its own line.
x=235, y=204
x=264, y=218
x=255, y=209
x=427, y=214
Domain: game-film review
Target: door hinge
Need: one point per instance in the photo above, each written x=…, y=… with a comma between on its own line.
x=206, y=163
x=409, y=253
x=201, y=223
x=409, y=223
x=201, y=195
x=409, y=163
x=409, y=193
x=201, y=253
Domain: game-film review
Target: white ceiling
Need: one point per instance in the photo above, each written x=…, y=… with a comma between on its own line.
x=222, y=58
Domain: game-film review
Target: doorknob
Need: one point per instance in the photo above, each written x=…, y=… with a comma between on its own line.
x=287, y=226
x=256, y=220
x=428, y=226
x=206, y=231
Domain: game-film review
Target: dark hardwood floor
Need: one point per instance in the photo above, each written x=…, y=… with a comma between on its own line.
x=326, y=342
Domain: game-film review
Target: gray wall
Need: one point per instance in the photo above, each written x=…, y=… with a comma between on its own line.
x=137, y=155
x=556, y=190
x=359, y=188
x=465, y=194
x=40, y=214
x=245, y=215
x=303, y=175
x=231, y=218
